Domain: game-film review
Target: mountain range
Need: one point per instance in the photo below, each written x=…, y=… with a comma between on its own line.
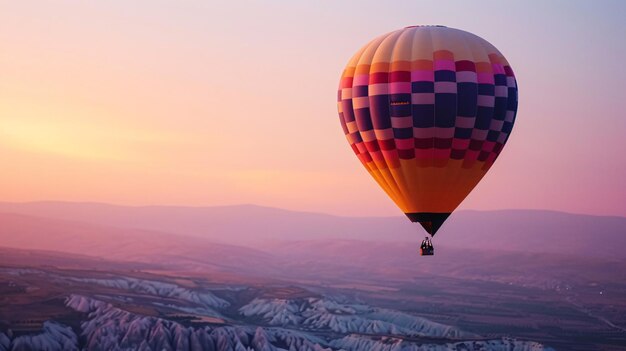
x=533, y=231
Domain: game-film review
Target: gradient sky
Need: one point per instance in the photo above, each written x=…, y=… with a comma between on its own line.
x=215, y=103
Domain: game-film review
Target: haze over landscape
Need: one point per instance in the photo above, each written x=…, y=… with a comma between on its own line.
x=174, y=177
x=296, y=280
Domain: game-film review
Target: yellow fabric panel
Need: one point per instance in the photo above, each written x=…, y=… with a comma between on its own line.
x=425, y=186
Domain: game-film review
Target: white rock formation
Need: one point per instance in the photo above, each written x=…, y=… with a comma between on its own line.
x=110, y=328
x=53, y=337
x=160, y=289
x=326, y=314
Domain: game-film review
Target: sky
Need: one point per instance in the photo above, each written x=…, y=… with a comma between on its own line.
x=200, y=103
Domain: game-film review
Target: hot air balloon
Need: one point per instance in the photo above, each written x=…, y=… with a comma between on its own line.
x=427, y=110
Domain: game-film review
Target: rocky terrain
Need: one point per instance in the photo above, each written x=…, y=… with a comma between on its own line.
x=134, y=313
x=344, y=318
x=91, y=276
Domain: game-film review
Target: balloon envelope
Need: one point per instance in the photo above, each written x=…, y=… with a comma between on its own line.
x=427, y=110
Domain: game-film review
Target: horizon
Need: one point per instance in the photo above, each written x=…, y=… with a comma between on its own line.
x=400, y=215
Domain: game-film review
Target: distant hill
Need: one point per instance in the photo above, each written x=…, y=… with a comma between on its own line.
x=253, y=226
x=127, y=245
x=332, y=261
x=13, y=257
x=247, y=223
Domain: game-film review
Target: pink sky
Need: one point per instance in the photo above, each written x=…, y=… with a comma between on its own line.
x=191, y=103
